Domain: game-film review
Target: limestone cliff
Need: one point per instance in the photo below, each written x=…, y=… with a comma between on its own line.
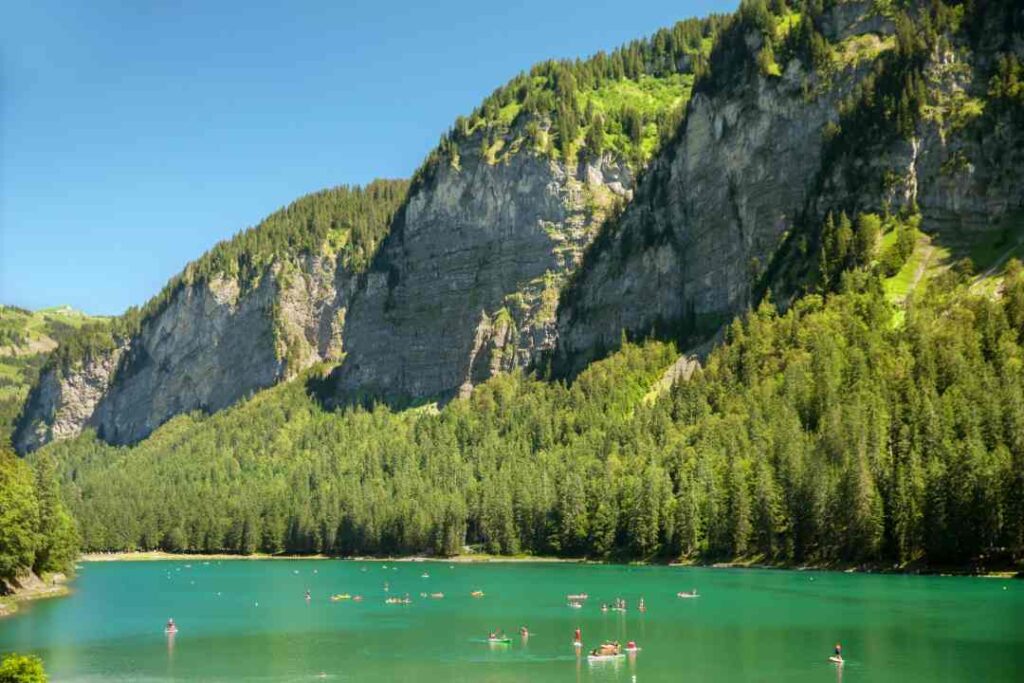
x=212, y=344
x=752, y=162
x=467, y=282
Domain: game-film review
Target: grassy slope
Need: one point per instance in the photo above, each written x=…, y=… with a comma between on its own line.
x=650, y=96
x=935, y=254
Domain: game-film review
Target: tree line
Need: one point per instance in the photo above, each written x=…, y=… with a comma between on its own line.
x=549, y=104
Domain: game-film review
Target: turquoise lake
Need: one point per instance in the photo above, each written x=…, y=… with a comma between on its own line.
x=243, y=620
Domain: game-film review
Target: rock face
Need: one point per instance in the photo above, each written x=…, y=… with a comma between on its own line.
x=715, y=209
x=466, y=286
x=60, y=406
x=707, y=219
x=211, y=345
x=467, y=283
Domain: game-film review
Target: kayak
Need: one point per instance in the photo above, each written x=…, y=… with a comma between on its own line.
x=500, y=641
x=836, y=660
x=172, y=630
x=686, y=595
x=604, y=658
x=341, y=596
x=477, y=594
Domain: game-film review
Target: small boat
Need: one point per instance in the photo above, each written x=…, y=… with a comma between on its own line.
x=340, y=596
x=424, y=575
x=437, y=596
x=477, y=594
x=577, y=596
x=682, y=594
x=604, y=658
x=398, y=601
x=576, y=605
x=836, y=660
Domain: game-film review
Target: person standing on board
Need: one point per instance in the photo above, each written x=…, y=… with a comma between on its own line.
x=577, y=637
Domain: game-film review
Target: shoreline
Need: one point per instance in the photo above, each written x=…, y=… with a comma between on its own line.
x=160, y=555
x=482, y=558
x=31, y=588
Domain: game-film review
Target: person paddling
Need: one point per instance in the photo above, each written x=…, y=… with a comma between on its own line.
x=838, y=656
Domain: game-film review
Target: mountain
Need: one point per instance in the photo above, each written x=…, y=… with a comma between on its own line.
x=464, y=284
x=660, y=189
x=809, y=201
x=255, y=309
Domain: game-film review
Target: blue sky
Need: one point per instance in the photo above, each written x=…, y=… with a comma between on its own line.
x=135, y=135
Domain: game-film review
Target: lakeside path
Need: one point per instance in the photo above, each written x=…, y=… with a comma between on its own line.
x=483, y=558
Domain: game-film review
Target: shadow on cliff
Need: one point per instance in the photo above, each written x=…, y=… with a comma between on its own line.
x=325, y=389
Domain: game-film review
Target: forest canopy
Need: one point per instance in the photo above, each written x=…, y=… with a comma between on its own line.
x=823, y=435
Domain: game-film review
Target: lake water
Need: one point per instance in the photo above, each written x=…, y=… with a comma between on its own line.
x=249, y=620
